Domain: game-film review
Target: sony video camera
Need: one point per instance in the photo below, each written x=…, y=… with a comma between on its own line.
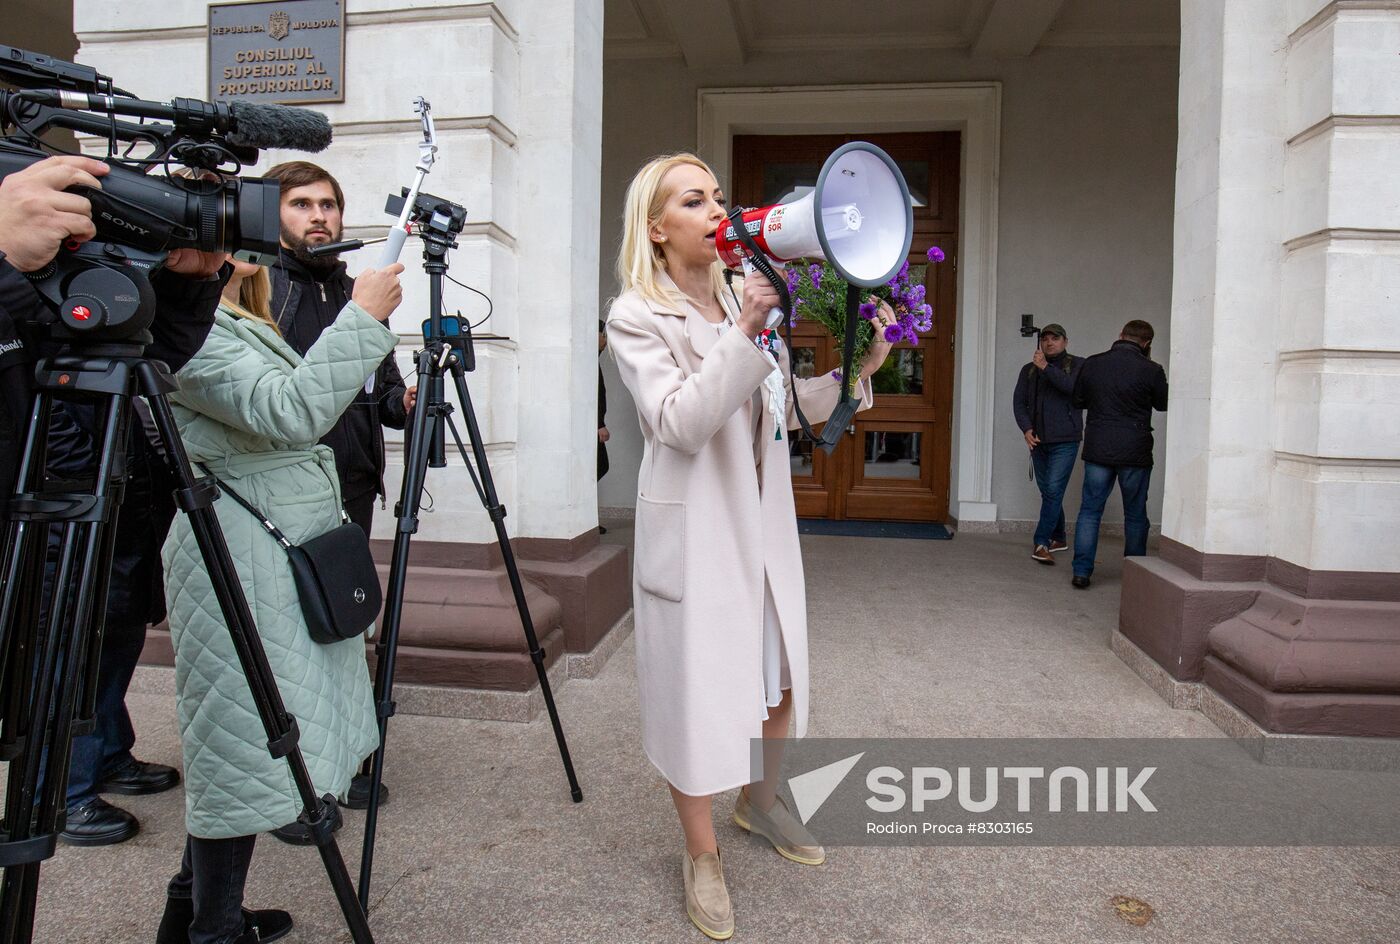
x=100, y=290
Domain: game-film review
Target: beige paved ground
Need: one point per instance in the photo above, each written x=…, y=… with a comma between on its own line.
x=967, y=637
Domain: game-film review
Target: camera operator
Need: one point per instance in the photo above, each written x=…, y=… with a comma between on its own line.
x=36, y=215
x=1052, y=427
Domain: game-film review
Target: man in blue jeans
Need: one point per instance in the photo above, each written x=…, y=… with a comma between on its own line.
x=1120, y=388
x=1052, y=427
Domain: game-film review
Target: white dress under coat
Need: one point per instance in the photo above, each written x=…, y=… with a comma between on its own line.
x=715, y=515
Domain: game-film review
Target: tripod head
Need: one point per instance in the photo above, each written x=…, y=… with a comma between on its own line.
x=433, y=218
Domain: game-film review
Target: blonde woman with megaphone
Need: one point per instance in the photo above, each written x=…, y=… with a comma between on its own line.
x=720, y=603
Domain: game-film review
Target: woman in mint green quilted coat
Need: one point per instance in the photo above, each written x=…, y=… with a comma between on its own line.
x=251, y=410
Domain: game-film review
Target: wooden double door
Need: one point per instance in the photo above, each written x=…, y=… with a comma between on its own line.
x=894, y=461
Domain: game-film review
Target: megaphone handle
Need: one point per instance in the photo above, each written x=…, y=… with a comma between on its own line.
x=775, y=317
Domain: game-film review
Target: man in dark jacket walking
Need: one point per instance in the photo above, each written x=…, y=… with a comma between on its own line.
x=307, y=294
x=1052, y=427
x=1120, y=388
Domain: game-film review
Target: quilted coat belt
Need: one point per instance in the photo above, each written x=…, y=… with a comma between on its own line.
x=251, y=463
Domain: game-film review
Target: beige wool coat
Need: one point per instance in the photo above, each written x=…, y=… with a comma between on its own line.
x=714, y=516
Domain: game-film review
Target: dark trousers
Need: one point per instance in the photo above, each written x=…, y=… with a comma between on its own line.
x=1053, y=464
x=361, y=510
x=109, y=745
x=213, y=873
x=133, y=599
x=1098, y=485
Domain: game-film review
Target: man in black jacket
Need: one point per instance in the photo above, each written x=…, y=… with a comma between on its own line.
x=35, y=214
x=1120, y=388
x=1052, y=427
x=307, y=294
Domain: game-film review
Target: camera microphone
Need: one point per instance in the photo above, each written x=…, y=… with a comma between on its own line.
x=277, y=126
x=246, y=124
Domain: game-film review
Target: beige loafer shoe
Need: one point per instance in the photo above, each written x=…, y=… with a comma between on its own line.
x=781, y=828
x=706, y=898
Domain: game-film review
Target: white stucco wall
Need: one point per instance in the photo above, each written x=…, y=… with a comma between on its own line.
x=1288, y=273
x=1088, y=144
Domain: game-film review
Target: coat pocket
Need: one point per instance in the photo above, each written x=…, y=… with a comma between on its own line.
x=660, y=548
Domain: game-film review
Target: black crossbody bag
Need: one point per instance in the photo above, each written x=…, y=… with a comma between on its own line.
x=336, y=580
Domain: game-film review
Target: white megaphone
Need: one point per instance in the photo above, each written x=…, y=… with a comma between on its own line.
x=859, y=218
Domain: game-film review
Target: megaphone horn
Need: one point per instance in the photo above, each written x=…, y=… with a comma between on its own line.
x=859, y=218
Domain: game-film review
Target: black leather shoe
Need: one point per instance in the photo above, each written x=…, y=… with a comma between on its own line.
x=357, y=798
x=1081, y=583
x=99, y=823
x=296, y=834
x=138, y=778
x=266, y=925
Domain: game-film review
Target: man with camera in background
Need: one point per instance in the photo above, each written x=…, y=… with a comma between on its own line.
x=37, y=215
x=1052, y=427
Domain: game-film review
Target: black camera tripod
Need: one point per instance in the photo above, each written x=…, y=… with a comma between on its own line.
x=438, y=222
x=48, y=664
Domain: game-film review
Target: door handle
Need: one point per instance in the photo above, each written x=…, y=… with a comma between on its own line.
x=851, y=430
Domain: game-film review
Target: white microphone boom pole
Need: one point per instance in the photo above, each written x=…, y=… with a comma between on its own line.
x=427, y=154
x=398, y=233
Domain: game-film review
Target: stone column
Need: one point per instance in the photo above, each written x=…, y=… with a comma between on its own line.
x=1278, y=584
x=516, y=90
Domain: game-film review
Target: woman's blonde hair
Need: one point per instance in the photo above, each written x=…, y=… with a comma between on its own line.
x=640, y=261
x=255, y=299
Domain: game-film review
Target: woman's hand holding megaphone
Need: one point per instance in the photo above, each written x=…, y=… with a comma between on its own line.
x=760, y=298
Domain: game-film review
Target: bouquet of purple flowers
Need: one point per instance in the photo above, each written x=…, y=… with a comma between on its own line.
x=819, y=294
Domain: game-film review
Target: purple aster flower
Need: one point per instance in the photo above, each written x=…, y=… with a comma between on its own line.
x=867, y=310
x=792, y=279
x=903, y=271
x=923, y=327
x=894, y=333
x=815, y=272
x=915, y=297
x=936, y=255
x=836, y=374
x=926, y=310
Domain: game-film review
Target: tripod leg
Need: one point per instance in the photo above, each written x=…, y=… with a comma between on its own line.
x=426, y=430
x=71, y=639
x=497, y=511
x=196, y=499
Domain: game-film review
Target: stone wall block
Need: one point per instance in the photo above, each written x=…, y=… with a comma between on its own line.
x=1338, y=179
x=1336, y=515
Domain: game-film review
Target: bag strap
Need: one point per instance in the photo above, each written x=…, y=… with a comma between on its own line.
x=271, y=528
